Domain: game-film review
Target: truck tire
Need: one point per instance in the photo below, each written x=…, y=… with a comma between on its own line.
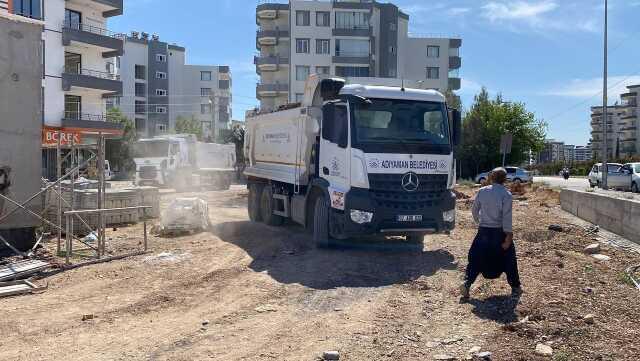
x=321, y=223
x=267, y=205
x=253, y=204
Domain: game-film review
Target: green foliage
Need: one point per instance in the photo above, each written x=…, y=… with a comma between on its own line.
x=483, y=126
x=118, y=151
x=191, y=125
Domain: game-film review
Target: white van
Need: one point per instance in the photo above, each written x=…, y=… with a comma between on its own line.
x=595, y=176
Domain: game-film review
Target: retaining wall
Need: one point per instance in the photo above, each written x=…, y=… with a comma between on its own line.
x=620, y=216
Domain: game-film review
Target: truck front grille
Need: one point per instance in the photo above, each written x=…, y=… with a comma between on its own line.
x=387, y=191
x=148, y=172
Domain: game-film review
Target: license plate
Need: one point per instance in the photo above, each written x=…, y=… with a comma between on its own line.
x=410, y=218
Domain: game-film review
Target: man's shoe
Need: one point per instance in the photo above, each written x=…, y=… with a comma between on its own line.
x=464, y=290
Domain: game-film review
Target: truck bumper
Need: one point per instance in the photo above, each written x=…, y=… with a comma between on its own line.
x=386, y=219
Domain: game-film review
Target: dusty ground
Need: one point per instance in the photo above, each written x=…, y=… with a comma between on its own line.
x=250, y=292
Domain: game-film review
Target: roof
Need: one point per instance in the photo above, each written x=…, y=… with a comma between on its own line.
x=386, y=92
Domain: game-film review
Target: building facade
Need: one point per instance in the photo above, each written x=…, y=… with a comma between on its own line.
x=583, y=153
x=553, y=152
x=159, y=88
x=79, y=56
x=614, y=125
x=351, y=39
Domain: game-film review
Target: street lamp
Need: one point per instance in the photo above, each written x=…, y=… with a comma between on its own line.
x=605, y=167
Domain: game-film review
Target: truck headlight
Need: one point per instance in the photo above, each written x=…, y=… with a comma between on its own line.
x=361, y=217
x=449, y=216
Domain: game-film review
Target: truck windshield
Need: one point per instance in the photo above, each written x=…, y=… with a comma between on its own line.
x=392, y=121
x=151, y=149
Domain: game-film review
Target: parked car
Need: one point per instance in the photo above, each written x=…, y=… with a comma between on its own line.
x=514, y=174
x=626, y=178
x=635, y=177
x=595, y=175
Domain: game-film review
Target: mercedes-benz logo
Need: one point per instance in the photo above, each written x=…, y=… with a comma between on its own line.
x=410, y=182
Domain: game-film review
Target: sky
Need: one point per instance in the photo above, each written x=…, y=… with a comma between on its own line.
x=547, y=54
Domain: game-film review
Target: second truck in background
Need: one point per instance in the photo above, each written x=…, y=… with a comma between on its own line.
x=180, y=161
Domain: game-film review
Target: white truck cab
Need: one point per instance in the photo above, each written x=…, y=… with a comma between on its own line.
x=355, y=160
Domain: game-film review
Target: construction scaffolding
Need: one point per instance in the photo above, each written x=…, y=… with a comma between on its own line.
x=63, y=213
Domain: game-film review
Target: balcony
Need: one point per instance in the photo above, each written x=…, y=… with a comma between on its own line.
x=271, y=90
x=361, y=31
x=110, y=44
x=628, y=129
x=109, y=8
x=455, y=62
x=269, y=11
x=353, y=5
x=271, y=37
x=93, y=123
x=269, y=63
x=79, y=79
x=455, y=83
x=345, y=57
x=628, y=140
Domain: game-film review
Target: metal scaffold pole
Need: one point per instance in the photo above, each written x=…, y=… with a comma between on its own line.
x=58, y=176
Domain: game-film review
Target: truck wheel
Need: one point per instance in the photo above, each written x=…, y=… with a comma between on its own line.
x=267, y=205
x=253, y=206
x=416, y=238
x=321, y=223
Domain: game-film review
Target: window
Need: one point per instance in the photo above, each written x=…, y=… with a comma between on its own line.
x=323, y=70
x=205, y=92
x=141, y=90
x=392, y=50
x=72, y=19
x=161, y=58
x=302, y=72
x=141, y=72
x=303, y=18
x=161, y=92
x=433, y=73
x=161, y=110
x=205, y=76
x=299, y=97
x=352, y=20
x=72, y=107
x=352, y=71
x=322, y=46
x=433, y=51
x=393, y=27
x=454, y=73
x=390, y=121
x=28, y=8
x=205, y=108
x=140, y=107
x=162, y=128
x=337, y=130
x=161, y=75
x=352, y=48
x=302, y=46
x=323, y=18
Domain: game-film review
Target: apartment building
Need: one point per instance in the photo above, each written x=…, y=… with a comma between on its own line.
x=79, y=68
x=553, y=152
x=351, y=39
x=583, y=153
x=614, y=133
x=159, y=88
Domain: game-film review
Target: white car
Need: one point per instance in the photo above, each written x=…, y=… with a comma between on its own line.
x=514, y=174
x=595, y=176
x=635, y=176
x=626, y=178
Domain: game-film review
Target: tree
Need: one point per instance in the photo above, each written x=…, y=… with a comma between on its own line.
x=483, y=126
x=188, y=126
x=119, y=151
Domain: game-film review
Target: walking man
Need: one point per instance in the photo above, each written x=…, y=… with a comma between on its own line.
x=493, y=252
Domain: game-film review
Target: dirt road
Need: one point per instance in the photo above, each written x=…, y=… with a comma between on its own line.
x=246, y=291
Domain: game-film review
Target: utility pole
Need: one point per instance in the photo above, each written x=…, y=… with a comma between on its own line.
x=605, y=168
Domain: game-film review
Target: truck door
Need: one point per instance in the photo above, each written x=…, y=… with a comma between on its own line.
x=334, y=151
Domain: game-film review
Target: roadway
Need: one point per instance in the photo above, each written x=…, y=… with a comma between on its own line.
x=571, y=183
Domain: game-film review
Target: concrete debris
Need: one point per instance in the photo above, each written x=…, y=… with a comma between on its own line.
x=544, y=350
x=185, y=215
x=331, y=355
x=444, y=358
x=601, y=257
x=167, y=257
x=589, y=319
x=265, y=308
x=592, y=248
x=556, y=228
x=486, y=355
x=87, y=317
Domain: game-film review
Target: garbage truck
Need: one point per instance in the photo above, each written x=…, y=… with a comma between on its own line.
x=355, y=160
x=182, y=162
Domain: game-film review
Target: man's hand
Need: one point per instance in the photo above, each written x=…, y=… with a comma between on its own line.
x=508, y=240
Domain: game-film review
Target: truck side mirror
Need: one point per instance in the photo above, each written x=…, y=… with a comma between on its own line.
x=456, y=117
